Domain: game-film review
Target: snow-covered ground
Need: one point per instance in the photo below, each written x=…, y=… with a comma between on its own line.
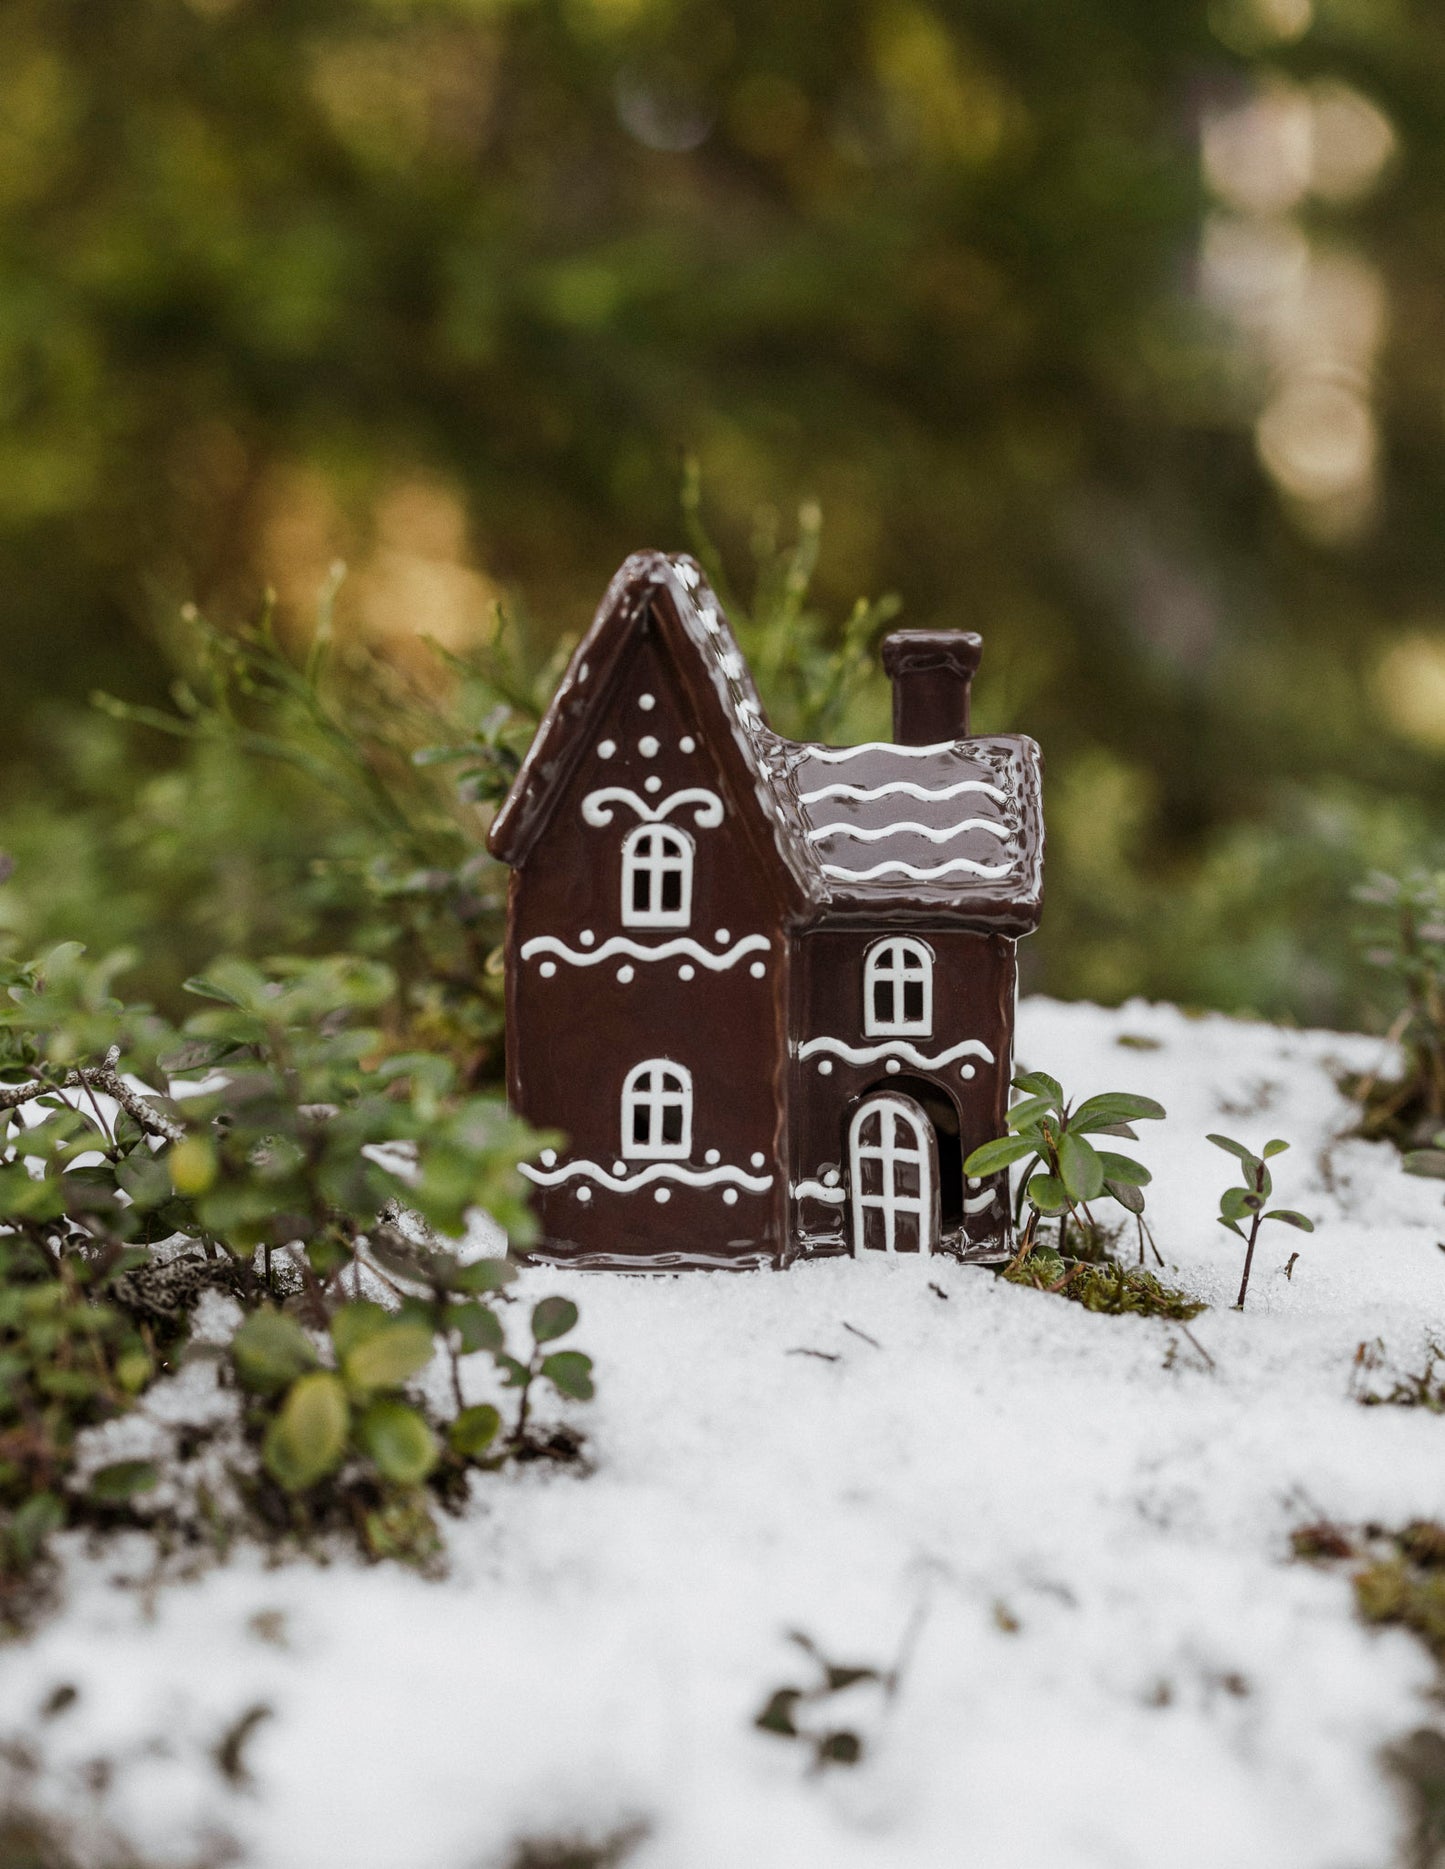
x=1112, y=1659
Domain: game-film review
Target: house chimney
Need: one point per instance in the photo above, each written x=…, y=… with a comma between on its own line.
x=931, y=671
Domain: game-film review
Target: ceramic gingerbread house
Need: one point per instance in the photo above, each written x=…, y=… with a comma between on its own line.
x=765, y=990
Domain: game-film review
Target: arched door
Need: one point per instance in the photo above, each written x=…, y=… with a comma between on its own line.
x=892, y=1176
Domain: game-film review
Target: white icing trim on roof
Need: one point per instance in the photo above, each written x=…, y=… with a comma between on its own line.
x=997, y=792
x=832, y=754
x=895, y=866
x=597, y=806
x=896, y=1048
x=656, y=1171
x=662, y=950
x=908, y=826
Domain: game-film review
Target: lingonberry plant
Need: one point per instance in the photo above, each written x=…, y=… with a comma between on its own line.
x=1064, y=1172
x=1247, y=1202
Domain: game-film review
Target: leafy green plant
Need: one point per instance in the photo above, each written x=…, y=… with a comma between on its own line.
x=1402, y=934
x=1247, y=1202
x=280, y=1134
x=793, y=1712
x=1064, y=1172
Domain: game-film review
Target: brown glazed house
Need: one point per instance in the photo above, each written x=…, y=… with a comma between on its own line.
x=764, y=990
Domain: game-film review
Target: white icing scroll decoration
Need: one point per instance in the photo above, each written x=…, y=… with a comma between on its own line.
x=872, y=834
x=897, y=1048
x=907, y=786
x=707, y=806
x=895, y=866
x=657, y=1171
x=815, y=1191
x=975, y=1203
x=663, y=950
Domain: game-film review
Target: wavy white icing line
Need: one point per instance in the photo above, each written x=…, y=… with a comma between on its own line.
x=597, y=806
x=815, y=1191
x=896, y=1048
x=935, y=834
x=895, y=866
x=832, y=754
x=655, y=1171
x=998, y=792
x=975, y=1203
x=662, y=950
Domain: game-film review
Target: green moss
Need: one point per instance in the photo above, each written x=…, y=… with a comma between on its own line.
x=1101, y=1283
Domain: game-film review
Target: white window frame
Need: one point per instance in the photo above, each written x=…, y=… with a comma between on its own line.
x=904, y=1137
x=653, y=851
x=653, y=1087
x=895, y=963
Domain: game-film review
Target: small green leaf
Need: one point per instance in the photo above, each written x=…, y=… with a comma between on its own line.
x=270, y=1351
x=31, y=1525
x=1274, y=1148
x=553, y=1317
x=1026, y=1115
x=1237, y=1203
x=307, y=1439
x=1291, y=1218
x=389, y=1357
x=777, y=1716
x=1040, y=1084
x=474, y=1430
x=993, y=1156
x=477, y=1325
x=1126, y=1193
x=1238, y=1149
x=1046, y=1193
x=122, y=1480
x=570, y=1373
x=399, y=1440
x=1232, y=1226
x=514, y=1374
x=1080, y=1168
x=355, y=1322
x=1124, y=1168
x=1427, y=1162
x=484, y=1275
x=1115, y=1106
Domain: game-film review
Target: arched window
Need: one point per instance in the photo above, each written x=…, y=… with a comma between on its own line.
x=898, y=989
x=657, y=1110
x=656, y=877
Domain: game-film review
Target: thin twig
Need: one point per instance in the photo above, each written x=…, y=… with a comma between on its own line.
x=103, y=1077
x=863, y=1334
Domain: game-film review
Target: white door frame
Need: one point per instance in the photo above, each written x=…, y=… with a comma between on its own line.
x=891, y=1108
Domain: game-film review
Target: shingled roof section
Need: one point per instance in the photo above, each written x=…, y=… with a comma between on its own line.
x=866, y=832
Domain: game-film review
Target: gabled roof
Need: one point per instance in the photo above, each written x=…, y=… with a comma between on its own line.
x=863, y=833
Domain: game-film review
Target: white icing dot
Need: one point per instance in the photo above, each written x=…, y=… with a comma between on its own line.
x=973, y=1181
x=587, y=937
x=584, y=1194
x=687, y=743
x=757, y=1158
x=619, y=1168
x=647, y=702
x=583, y=672
x=606, y=748
x=966, y=1070
x=893, y=1065
x=712, y=1156
x=648, y=746
x=548, y=1157
x=830, y=1178
x=624, y=974
x=652, y=784
x=730, y=1195
x=757, y=970
x=686, y=973
x=547, y=969
x=722, y=937
x=825, y=1067
x=662, y=1194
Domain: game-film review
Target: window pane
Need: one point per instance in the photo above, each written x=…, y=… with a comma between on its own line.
x=912, y=1001
x=883, y=1001
x=672, y=1122
x=672, y=889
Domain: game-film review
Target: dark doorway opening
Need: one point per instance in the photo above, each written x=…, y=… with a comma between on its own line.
x=942, y=1113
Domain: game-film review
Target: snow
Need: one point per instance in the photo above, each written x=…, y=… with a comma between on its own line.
x=1072, y=1530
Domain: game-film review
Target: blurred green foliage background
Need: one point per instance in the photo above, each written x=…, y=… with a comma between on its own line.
x=1112, y=328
